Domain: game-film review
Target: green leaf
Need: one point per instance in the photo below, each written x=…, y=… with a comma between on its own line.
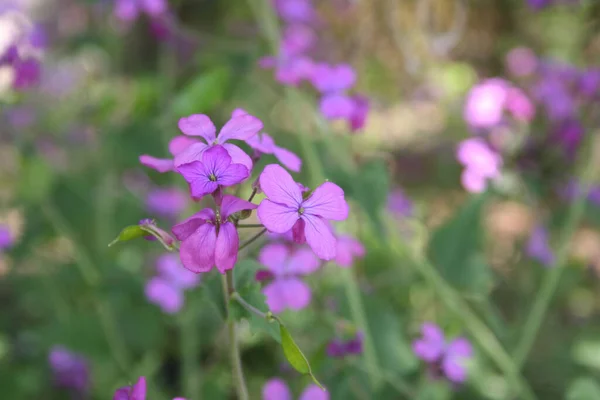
x=129, y=233
x=294, y=355
x=584, y=388
x=203, y=93
x=454, y=248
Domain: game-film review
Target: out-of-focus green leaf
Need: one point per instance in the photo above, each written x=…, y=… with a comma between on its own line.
x=294, y=355
x=454, y=248
x=587, y=352
x=584, y=388
x=203, y=93
x=129, y=233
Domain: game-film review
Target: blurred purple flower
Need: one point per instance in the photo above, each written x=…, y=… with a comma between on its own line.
x=277, y=389
x=519, y=105
x=168, y=202
x=202, y=247
x=285, y=209
x=589, y=83
x=399, y=204
x=169, y=268
x=347, y=249
x=449, y=357
x=20, y=117
x=551, y=92
x=521, y=61
x=359, y=114
x=70, y=370
x=134, y=392
x=336, y=106
x=329, y=79
x=128, y=10
x=338, y=348
x=485, y=102
x=295, y=11
x=6, y=239
x=167, y=288
x=538, y=247
x=481, y=164
x=297, y=39
x=568, y=135
x=287, y=290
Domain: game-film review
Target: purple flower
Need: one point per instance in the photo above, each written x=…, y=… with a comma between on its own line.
x=333, y=78
x=128, y=10
x=485, y=103
x=27, y=73
x=336, y=106
x=347, y=249
x=358, y=117
x=589, y=83
x=215, y=169
x=240, y=127
x=169, y=268
x=568, y=136
x=167, y=289
x=135, y=392
x=447, y=357
x=297, y=39
x=210, y=239
x=521, y=61
x=399, y=204
x=166, y=202
x=287, y=290
x=481, y=164
x=519, y=105
x=177, y=145
x=538, y=247
x=295, y=11
x=338, y=348
x=552, y=93
x=290, y=70
x=70, y=370
x=277, y=389
x=6, y=238
x=285, y=208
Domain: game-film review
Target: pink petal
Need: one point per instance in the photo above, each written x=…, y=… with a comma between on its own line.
x=185, y=228
x=158, y=164
x=454, y=369
x=226, y=250
x=319, y=237
x=192, y=171
x=460, y=347
x=180, y=143
x=427, y=351
x=167, y=296
x=233, y=175
x=197, y=252
x=276, y=217
x=303, y=262
x=170, y=269
x=276, y=389
x=237, y=112
x=297, y=293
x=201, y=187
x=139, y=390
x=198, y=125
x=154, y=7
x=192, y=153
x=313, y=392
x=327, y=201
x=336, y=106
x=347, y=249
x=232, y=204
x=279, y=186
x=241, y=127
x=289, y=160
x=238, y=156
x=126, y=10
x=216, y=160
x=472, y=181
x=275, y=297
x=274, y=257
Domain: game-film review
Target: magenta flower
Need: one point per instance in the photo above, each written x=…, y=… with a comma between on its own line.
x=348, y=248
x=70, y=370
x=447, y=357
x=277, y=389
x=167, y=288
x=285, y=208
x=290, y=70
x=6, y=237
x=166, y=202
x=333, y=78
x=215, y=169
x=538, y=247
x=481, y=164
x=336, y=106
x=294, y=11
x=287, y=290
x=241, y=127
x=485, y=103
x=519, y=105
x=134, y=392
x=128, y=10
x=338, y=348
x=297, y=39
x=210, y=239
x=176, y=146
x=358, y=117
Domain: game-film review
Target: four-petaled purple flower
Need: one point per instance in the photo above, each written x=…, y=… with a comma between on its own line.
x=481, y=164
x=70, y=370
x=447, y=358
x=285, y=209
x=538, y=247
x=240, y=127
x=128, y=10
x=277, y=389
x=287, y=290
x=213, y=170
x=209, y=239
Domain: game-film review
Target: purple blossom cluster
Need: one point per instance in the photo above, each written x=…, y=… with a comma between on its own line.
x=339, y=348
x=167, y=288
x=293, y=65
x=70, y=370
x=277, y=389
x=444, y=358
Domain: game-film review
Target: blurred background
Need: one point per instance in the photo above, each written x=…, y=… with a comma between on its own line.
x=464, y=139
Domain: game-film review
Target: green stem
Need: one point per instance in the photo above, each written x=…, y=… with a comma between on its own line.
x=359, y=316
x=552, y=277
x=250, y=226
x=249, y=307
x=252, y=239
x=236, y=361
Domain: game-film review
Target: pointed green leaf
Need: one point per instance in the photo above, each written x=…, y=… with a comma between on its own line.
x=129, y=233
x=294, y=355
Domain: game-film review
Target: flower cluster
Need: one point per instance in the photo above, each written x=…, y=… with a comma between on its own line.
x=293, y=65
x=70, y=370
x=277, y=389
x=339, y=348
x=167, y=288
x=444, y=358
x=137, y=391
x=481, y=164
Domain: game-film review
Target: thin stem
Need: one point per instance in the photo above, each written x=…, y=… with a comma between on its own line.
x=359, y=316
x=236, y=361
x=551, y=280
x=253, y=238
x=250, y=226
x=254, y=191
x=249, y=307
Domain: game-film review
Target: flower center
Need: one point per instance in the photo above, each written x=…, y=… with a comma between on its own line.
x=301, y=211
x=212, y=177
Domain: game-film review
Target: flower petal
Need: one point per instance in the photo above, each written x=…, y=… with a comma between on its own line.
x=454, y=369
x=347, y=249
x=226, y=249
x=197, y=252
x=336, y=106
x=193, y=171
x=188, y=226
x=460, y=347
x=279, y=186
x=241, y=127
x=275, y=296
x=274, y=257
x=327, y=201
x=192, y=153
x=276, y=217
x=139, y=390
x=198, y=125
x=313, y=392
x=201, y=187
x=168, y=297
x=179, y=143
x=234, y=174
x=232, y=204
x=158, y=164
x=303, y=262
x=297, y=293
x=216, y=160
x=238, y=156
x=276, y=389
x=319, y=237
x=289, y=160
